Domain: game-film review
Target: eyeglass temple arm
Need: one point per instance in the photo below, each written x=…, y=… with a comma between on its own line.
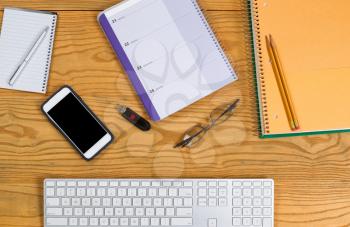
x=188, y=140
x=230, y=108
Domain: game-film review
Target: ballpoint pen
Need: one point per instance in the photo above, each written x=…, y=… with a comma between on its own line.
x=20, y=68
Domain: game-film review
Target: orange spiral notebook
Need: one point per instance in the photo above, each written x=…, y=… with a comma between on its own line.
x=313, y=44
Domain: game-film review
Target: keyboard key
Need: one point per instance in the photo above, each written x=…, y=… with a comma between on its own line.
x=93, y=183
x=94, y=221
x=145, y=221
x=178, y=202
x=124, y=183
x=104, y=222
x=81, y=183
x=83, y=221
x=124, y=221
x=54, y=211
x=202, y=184
x=160, y=212
x=170, y=212
x=89, y=211
x=188, y=184
x=73, y=221
x=247, y=211
x=57, y=221
x=236, y=221
x=247, y=192
x=212, y=192
x=222, y=202
x=247, y=201
x=237, y=192
x=184, y=212
x=212, y=183
x=267, y=183
x=78, y=211
x=155, y=221
x=257, y=202
x=237, y=211
x=182, y=221
x=52, y=202
x=103, y=183
x=212, y=222
x=257, y=183
x=257, y=222
x=65, y=202
x=85, y=201
x=68, y=211
x=247, y=184
x=165, y=221
x=267, y=192
x=60, y=192
x=185, y=192
x=71, y=183
x=267, y=202
x=257, y=211
x=135, y=183
x=257, y=192
x=213, y=202
x=114, y=222
x=134, y=222
x=50, y=183
x=236, y=184
x=267, y=211
x=237, y=201
x=50, y=192
x=61, y=183
x=222, y=192
x=267, y=222
x=140, y=211
x=247, y=221
x=202, y=192
x=222, y=183
x=188, y=202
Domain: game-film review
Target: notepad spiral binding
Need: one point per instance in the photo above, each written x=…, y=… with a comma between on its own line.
x=49, y=54
x=258, y=72
x=218, y=44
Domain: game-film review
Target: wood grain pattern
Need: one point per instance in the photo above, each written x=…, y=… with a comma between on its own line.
x=103, y=4
x=311, y=173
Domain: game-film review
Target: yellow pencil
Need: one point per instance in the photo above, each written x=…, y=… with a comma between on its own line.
x=282, y=83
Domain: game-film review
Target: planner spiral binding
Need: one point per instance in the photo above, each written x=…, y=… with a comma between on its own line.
x=206, y=21
x=49, y=53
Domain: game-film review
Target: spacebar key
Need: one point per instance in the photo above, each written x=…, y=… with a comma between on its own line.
x=57, y=221
x=182, y=221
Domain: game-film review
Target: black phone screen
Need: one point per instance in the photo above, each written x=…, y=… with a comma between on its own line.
x=77, y=122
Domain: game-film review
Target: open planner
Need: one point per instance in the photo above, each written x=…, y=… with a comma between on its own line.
x=169, y=52
x=19, y=32
x=313, y=44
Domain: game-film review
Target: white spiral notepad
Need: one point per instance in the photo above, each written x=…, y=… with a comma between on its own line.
x=20, y=30
x=169, y=52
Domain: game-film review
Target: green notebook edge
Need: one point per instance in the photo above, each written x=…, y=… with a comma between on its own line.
x=258, y=104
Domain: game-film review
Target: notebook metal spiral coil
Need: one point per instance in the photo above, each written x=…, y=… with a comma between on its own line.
x=251, y=7
x=51, y=33
x=205, y=19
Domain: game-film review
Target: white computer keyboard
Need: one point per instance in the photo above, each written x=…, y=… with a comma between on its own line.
x=159, y=202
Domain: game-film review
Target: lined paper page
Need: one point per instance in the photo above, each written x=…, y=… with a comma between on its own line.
x=20, y=30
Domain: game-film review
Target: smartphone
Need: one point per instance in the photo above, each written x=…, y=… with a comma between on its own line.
x=77, y=123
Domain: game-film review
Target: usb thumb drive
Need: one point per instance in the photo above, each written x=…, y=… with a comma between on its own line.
x=134, y=118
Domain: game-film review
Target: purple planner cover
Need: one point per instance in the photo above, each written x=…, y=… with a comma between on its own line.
x=128, y=67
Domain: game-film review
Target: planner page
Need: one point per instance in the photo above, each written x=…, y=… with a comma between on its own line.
x=19, y=32
x=172, y=49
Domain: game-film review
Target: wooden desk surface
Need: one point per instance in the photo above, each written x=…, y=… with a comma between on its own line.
x=312, y=183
